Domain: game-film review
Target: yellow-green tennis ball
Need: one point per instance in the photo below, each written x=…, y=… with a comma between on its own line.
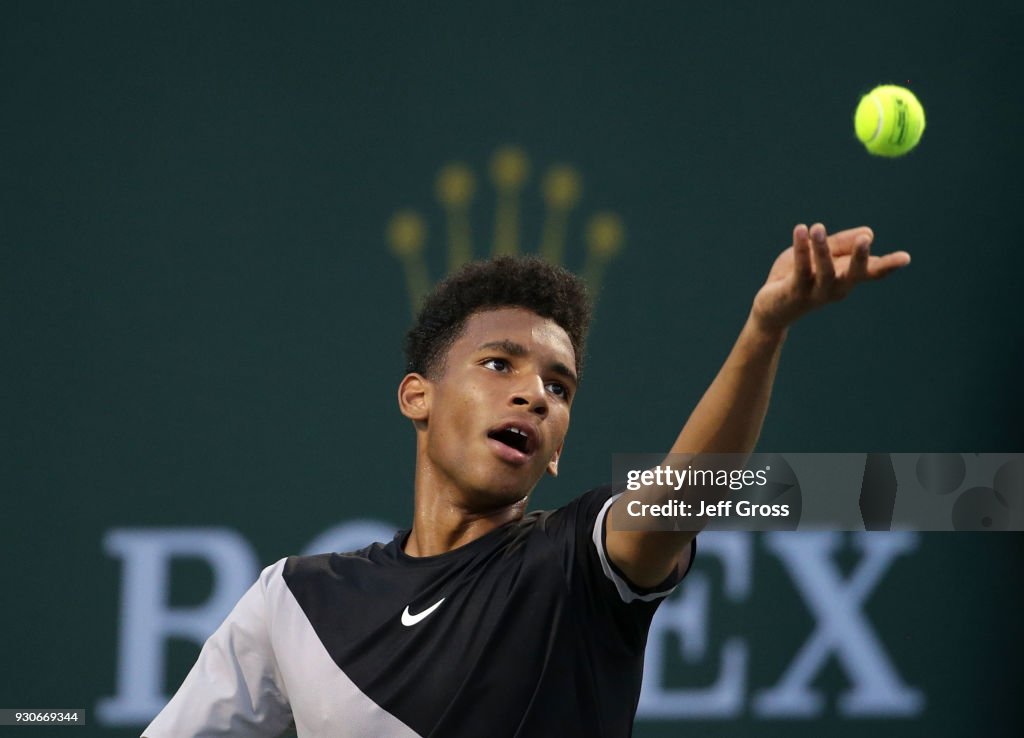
x=889, y=120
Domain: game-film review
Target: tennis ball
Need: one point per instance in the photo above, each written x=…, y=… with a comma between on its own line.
x=889, y=120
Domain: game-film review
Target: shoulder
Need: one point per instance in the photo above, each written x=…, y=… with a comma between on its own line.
x=580, y=510
x=585, y=518
x=333, y=565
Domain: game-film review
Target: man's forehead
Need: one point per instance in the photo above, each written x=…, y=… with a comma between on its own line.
x=518, y=325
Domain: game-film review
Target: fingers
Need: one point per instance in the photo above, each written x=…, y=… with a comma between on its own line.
x=845, y=242
x=857, y=243
x=816, y=255
x=803, y=275
x=819, y=269
x=858, y=269
x=883, y=266
x=824, y=268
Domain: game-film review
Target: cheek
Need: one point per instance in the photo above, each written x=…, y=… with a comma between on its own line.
x=454, y=417
x=460, y=409
x=561, y=421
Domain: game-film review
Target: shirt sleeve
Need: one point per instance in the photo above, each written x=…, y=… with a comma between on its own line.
x=235, y=687
x=627, y=591
x=578, y=529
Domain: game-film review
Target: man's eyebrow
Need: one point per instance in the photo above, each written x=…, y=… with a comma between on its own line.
x=509, y=347
x=517, y=349
x=560, y=368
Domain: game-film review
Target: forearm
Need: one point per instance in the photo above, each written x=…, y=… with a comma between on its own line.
x=729, y=416
x=815, y=270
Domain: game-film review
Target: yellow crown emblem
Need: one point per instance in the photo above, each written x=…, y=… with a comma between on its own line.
x=455, y=187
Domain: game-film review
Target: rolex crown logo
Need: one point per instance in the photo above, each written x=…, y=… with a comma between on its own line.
x=455, y=188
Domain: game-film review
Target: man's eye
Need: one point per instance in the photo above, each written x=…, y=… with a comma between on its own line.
x=498, y=365
x=558, y=390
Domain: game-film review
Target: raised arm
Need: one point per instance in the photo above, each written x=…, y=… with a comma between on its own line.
x=816, y=269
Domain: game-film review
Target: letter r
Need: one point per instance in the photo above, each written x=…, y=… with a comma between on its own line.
x=147, y=621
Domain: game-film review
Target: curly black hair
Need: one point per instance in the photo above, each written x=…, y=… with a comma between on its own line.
x=527, y=282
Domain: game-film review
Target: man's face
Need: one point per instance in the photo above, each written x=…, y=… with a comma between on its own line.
x=498, y=412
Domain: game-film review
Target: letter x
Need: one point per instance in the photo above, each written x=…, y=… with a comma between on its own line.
x=841, y=628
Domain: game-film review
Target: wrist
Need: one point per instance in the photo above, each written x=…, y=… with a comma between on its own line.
x=765, y=331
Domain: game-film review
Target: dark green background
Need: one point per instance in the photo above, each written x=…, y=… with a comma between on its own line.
x=202, y=324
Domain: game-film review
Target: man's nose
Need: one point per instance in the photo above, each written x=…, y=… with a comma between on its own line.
x=530, y=392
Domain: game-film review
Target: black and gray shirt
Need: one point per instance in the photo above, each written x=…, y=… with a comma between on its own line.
x=526, y=631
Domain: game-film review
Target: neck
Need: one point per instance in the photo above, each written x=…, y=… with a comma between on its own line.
x=443, y=521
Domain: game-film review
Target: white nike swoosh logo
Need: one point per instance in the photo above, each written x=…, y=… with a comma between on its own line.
x=409, y=619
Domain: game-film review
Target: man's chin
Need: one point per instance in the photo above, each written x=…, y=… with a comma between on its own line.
x=495, y=493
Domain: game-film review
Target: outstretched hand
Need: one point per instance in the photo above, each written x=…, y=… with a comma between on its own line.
x=818, y=269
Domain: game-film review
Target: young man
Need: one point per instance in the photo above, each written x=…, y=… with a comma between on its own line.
x=483, y=619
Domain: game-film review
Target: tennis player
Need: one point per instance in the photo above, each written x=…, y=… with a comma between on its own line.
x=483, y=619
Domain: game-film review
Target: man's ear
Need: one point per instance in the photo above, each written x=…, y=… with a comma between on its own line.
x=414, y=397
x=553, y=464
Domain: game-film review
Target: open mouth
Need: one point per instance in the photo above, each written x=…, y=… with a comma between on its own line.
x=513, y=437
